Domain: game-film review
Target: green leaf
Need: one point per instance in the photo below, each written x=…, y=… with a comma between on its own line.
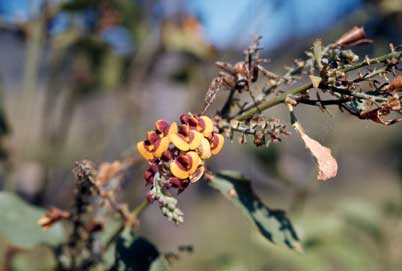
x=272, y=224
x=135, y=253
x=19, y=223
x=317, y=52
x=315, y=80
x=38, y=259
x=160, y=264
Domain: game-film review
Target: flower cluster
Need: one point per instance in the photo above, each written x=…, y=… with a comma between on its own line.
x=176, y=154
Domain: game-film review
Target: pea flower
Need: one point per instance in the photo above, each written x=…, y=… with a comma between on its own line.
x=186, y=139
x=176, y=157
x=216, y=142
x=185, y=165
x=201, y=124
x=157, y=140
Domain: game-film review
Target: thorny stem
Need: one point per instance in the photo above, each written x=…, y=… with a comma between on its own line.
x=359, y=95
x=281, y=97
x=371, y=74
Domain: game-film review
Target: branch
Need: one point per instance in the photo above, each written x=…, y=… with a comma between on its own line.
x=281, y=97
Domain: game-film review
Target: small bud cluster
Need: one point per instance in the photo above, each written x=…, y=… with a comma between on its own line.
x=263, y=131
x=176, y=155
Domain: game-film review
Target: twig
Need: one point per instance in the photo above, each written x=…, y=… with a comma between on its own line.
x=135, y=215
x=281, y=98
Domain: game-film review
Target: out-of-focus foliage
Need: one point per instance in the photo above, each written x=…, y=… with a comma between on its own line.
x=135, y=253
x=19, y=224
x=272, y=224
x=84, y=78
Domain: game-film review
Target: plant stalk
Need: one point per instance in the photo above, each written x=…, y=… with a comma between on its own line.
x=281, y=97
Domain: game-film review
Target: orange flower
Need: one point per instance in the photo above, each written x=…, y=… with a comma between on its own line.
x=201, y=124
x=177, y=153
x=186, y=139
x=185, y=165
x=157, y=141
x=216, y=141
x=204, y=150
x=197, y=175
x=164, y=128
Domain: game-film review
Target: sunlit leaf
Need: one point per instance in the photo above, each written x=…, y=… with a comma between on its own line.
x=18, y=223
x=137, y=254
x=160, y=264
x=38, y=259
x=315, y=80
x=364, y=217
x=317, y=52
x=274, y=225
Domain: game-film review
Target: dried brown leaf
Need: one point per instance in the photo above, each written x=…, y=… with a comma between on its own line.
x=52, y=216
x=212, y=91
x=327, y=164
x=396, y=84
x=107, y=171
x=376, y=116
x=355, y=36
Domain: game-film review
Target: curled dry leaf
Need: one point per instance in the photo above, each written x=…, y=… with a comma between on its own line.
x=392, y=105
x=396, y=84
x=376, y=116
x=327, y=165
x=355, y=36
x=52, y=216
x=107, y=171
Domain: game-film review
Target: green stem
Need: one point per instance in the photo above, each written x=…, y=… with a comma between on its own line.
x=272, y=102
x=140, y=208
x=281, y=98
x=135, y=214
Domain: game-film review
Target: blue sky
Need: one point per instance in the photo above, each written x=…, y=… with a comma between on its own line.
x=226, y=22
x=232, y=23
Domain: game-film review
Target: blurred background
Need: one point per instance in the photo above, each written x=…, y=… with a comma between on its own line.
x=87, y=78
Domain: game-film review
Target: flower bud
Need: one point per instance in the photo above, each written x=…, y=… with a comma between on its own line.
x=148, y=176
x=153, y=167
x=166, y=156
x=150, y=197
x=259, y=138
x=175, y=182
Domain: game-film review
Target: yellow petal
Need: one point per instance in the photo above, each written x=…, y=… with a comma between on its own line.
x=147, y=155
x=163, y=146
x=197, y=174
x=204, y=150
x=217, y=143
x=178, y=171
x=195, y=161
x=179, y=142
x=209, y=126
x=196, y=140
x=172, y=129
